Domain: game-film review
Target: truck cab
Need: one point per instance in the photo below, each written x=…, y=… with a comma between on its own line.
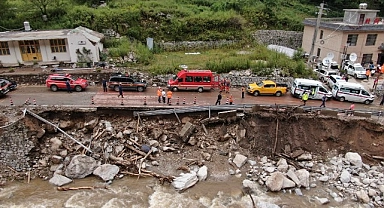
x=266, y=87
x=199, y=80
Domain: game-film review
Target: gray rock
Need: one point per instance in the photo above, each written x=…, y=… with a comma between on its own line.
x=251, y=184
x=156, y=133
x=345, y=176
x=240, y=160
x=269, y=169
x=303, y=176
x=305, y=156
x=91, y=124
x=266, y=205
x=40, y=133
x=80, y=166
x=324, y=178
x=288, y=183
x=252, y=162
x=381, y=188
x=372, y=192
x=55, y=144
x=65, y=124
x=206, y=156
x=56, y=159
x=127, y=132
x=354, y=158
x=108, y=126
x=184, y=181
x=298, y=192
x=155, y=163
x=186, y=131
x=119, y=135
x=264, y=160
x=338, y=199
x=153, y=143
x=202, y=173
x=106, y=171
x=293, y=177
x=322, y=200
x=275, y=181
x=63, y=153
x=362, y=196
x=282, y=165
x=192, y=141
x=59, y=180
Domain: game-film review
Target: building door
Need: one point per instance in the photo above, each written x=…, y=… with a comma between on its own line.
x=380, y=59
x=361, y=19
x=30, y=50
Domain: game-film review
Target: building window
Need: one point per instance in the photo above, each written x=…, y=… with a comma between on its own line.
x=367, y=58
x=318, y=52
x=352, y=39
x=58, y=46
x=371, y=39
x=321, y=34
x=4, y=49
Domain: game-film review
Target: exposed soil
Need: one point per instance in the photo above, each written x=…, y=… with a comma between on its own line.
x=311, y=133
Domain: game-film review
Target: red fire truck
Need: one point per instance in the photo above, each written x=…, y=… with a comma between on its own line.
x=199, y=80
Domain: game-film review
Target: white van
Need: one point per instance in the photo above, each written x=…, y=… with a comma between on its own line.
x=354, y=92
x=315, y=89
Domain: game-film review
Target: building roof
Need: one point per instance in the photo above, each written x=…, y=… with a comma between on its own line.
x=50, y=34
x=338, y=24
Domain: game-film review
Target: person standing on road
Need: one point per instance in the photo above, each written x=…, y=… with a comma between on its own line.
x=159, y=94
x=305, y=97
x=375, y=82
x=68, y=85
x=163, y=95
x=346, y=77
x=242, y=92
x=230, y=100
x=323, y=100
x=367, y=73
x=120, y=91
x=104, y=82
x=382, y=101
x=169, y=96
x=219, y=97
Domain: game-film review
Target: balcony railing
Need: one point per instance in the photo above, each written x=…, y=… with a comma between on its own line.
x=337, y=23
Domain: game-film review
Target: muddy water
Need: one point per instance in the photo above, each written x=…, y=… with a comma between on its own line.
x=147, y=192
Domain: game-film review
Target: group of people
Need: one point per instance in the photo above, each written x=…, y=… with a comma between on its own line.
x=162, y=96
x=225, y=85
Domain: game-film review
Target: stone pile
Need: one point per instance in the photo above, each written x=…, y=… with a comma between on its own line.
x=346, y=177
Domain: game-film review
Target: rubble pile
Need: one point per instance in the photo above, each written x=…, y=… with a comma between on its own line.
x=190, y=150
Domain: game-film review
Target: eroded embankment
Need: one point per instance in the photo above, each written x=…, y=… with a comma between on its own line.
x=31, y=145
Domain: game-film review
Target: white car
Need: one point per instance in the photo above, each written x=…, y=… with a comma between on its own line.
x=355, y=70
x=334, y=79
x=324, y=74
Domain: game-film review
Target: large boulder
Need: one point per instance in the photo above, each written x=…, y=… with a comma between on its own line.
x=202, y=173
x=184, y=181
x=362, y=196
x=303, y=176
x=59, y=180
x=106, y=171
x=345, y=176
x=354, y=158
x=292, y=175
x=288, y=183
x=275, y=181
x=240, y=160
x=80, y=166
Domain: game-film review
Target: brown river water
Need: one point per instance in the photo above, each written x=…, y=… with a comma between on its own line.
x=147, y=192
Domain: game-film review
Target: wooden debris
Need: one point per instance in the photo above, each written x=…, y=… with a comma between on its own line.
x=79, y=188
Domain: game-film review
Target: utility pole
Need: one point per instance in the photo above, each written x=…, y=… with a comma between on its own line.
x=320, y=13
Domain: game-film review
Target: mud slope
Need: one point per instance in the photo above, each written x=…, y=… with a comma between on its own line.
x=312, y=133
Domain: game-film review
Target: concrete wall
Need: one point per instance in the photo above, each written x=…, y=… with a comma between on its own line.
x=78, y=41
x=47, y=55
x=290, y=39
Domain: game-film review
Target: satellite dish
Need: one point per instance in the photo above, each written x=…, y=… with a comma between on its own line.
x=183, y=66
x=353, y=57
x=326, y=61
x=330, y=55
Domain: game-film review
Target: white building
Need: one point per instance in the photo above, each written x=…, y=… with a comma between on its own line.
x=79, y=45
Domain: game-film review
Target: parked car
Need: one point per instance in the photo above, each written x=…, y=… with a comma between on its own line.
x=353, y=92
x=266, y=87
x=324, y=74
x=355, y=69
x=4, y=87
x=13, y=84
x=57, y=82
x=127, y=83
x=332, y=66
x=315, y=88
x=198, y=80
x=334, y=79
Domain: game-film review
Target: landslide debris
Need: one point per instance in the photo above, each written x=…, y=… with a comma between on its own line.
x=283, y=150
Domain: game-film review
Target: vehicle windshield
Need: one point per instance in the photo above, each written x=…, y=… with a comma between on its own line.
x=260, y=84
x=359, y=68
x=174, y=77
x=332, y=73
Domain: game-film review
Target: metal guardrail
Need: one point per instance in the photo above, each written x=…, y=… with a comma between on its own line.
x=194, y=109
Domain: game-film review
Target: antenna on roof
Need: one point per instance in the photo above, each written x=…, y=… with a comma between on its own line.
x=27, y=27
